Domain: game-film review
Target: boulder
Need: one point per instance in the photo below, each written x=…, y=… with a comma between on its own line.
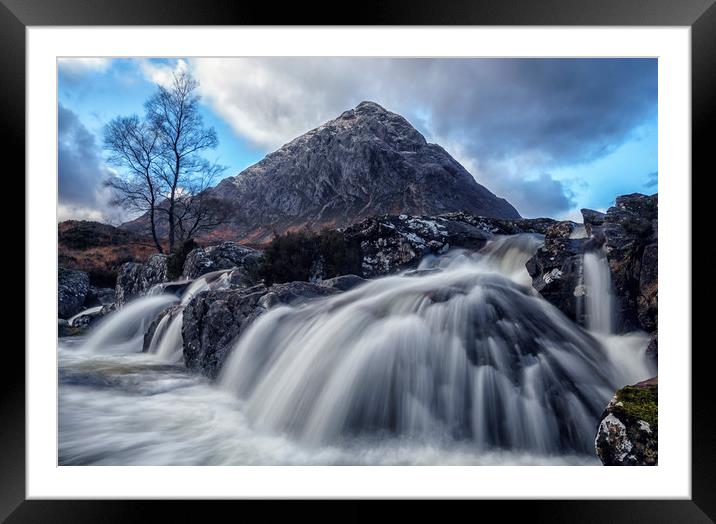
x=343, y=282
x=72, y=289
x=213, y=320
x=87, y=318
x=99, y=296
x=136, y=279
x=557, y=267
x=628, y=430
x=226, y=255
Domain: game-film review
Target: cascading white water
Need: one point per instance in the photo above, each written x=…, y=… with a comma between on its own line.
x=123, y=330
x=167, y=340
x=599, y=300
x=463, y=351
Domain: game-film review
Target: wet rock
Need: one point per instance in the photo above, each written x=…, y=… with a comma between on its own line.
x=84, y=320
x=65, y=330
x=99, y=296
x=557, y=267
x=72, y=289
x=226, y=255
x=628, y=431
x=135, y=280
x=343, y=282
x=390, y=243
x=214, y=320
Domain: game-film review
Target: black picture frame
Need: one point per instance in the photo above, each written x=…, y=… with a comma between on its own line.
x=16, y=15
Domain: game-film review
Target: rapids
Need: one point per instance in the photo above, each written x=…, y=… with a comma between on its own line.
x=459, y=362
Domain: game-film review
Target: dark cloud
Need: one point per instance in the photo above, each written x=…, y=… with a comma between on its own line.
x=81, y=170
x=652, y=179
x=558, y=111
x=543, y=196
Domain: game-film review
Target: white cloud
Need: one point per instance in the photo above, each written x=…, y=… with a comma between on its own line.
x=74, y=212
x=271, y=101
x=161, y=73
x=80, y=66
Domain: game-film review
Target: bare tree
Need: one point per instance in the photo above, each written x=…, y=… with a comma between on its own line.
x=134, y=147
x=174, y=113
x=196, y=209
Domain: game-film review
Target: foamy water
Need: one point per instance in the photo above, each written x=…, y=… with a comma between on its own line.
x=462, y=365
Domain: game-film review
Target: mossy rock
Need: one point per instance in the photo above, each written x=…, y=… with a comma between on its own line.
x=628, y=431
x=640, y=403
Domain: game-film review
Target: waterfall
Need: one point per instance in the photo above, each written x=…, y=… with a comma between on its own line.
x=459, y=362
x=464, y=351
x=599, y=300
x=122, y=331
x=167, y=341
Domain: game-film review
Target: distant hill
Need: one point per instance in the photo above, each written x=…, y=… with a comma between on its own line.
x=366, y=162
x=99, y=249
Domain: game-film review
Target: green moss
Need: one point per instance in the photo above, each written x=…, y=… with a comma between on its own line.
x=640, y=403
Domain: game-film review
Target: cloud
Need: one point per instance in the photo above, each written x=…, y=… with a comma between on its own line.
x=80, y=66
x=161, y=72
x=652, y=179
x=508, y=121
x=81, y=172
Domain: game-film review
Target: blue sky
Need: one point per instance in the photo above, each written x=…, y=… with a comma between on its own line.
x=550, y=135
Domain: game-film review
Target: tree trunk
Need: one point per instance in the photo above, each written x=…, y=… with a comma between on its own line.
x=171, y=223
x=172, y=197
x=154, y=228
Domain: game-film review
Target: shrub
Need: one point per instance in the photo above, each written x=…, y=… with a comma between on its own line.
x=304, y=255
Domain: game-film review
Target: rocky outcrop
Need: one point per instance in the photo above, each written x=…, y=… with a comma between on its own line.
x=213, y=320
x=628, y=431
x=72, y=289
x=366, y=162
x=556, y=269
x=629, y=234
x=136, y=279
x=392, y=243
x=226, y=255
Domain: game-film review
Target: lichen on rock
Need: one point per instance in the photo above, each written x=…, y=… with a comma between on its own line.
x=628, y=431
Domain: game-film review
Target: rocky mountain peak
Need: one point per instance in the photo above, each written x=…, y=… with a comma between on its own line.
x=366, y=162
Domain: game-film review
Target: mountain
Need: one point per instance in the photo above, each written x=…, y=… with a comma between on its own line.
x=366, y=162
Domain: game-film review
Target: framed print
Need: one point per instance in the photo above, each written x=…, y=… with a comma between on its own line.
x=412, y=258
